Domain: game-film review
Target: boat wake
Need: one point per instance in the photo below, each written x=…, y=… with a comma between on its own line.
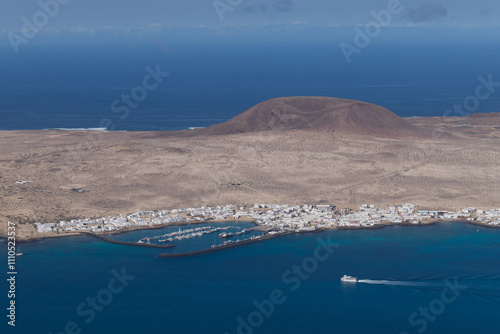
x=403, y=283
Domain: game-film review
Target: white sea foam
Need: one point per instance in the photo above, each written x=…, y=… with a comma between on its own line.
x=79, y=129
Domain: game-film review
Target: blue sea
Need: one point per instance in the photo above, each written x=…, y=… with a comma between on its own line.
x=436, y=279
x=47, y=86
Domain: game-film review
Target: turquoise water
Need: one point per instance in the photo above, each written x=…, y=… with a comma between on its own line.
x=207, y=294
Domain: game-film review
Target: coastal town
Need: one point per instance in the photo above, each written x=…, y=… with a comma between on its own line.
x=275, y=219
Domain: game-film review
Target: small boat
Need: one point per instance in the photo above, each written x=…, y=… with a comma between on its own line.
x=349, y=279
x=162, y=240
x=19, y=254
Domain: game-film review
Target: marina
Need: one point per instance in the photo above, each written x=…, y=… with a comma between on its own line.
x=189, y=233
x=231, y=226
x=226, y=245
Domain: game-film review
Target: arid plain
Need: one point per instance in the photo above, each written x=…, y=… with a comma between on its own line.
x=447, y=163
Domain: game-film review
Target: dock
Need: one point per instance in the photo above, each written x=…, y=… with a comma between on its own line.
x=222, y=247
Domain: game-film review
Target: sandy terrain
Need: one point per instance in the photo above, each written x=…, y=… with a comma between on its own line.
x=125, y=172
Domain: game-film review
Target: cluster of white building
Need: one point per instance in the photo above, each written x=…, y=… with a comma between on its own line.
x=277, y=218
x=138, y=219
x=490, y=217
x=299, y=218
x=109, y=224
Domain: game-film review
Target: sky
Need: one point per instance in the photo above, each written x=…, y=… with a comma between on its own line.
x=108, y=19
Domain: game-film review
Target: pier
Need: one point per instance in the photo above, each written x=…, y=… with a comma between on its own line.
x=222, y=247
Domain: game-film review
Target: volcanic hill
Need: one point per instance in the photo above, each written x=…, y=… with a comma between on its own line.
x=346, y=117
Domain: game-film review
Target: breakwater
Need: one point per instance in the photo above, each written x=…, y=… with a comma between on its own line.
x=125, y=243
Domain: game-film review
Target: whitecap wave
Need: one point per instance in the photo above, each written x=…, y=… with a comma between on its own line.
x=79, y=129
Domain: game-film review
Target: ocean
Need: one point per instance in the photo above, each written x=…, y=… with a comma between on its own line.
x=47, y=87
x=448, y=271
x=436, y=279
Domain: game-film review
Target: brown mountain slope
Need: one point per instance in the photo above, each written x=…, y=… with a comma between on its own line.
x=317, y=113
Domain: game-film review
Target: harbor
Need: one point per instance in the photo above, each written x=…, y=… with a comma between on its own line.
x=192, y=233
x=231, y=226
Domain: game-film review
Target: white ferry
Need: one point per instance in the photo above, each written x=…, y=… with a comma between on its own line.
x=350, y=279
